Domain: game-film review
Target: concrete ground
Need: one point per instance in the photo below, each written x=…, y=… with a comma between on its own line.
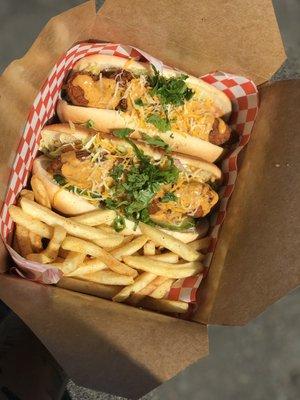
x=260, y=361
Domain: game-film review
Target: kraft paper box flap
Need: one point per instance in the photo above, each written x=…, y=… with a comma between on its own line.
x=143, y=347
x=120, y=334
x=23, y=78
x=257, y=258
x=103, y=345
x=239, y=36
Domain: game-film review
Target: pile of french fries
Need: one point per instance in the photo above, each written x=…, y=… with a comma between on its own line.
x=138, y=270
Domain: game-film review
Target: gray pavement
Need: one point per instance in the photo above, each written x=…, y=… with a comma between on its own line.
x=260, y=361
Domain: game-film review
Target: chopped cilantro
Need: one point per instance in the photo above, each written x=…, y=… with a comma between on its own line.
x=145, y=217
x=60, y=180
x=138, y=152
x=134, y=192
x=117, y=171
x=138, y=102
x=93, y=195
x=173, y=90
x=171, y=173
x=162, y=124
x=169, y=196
x=111, y=204
x=133, y=187
x=90, y=124
x=119, y=223
x=122, y=133
x=156, y=141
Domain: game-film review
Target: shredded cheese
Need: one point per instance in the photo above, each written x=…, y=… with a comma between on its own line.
x=194, y=117
x=92, y=181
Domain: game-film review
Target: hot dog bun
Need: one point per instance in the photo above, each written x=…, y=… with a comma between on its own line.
x=70, y=204
x=106, y=120
x=98, y=62
x=65, y=133
x=117, y=93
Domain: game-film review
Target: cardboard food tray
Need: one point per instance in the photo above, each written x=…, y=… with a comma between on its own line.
x=255, y=261
x=244, y=98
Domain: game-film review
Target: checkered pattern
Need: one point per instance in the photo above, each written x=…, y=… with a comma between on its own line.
x=241, y=91
x=244, y=98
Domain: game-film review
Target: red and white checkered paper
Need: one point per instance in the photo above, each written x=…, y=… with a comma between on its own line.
x=240, y=90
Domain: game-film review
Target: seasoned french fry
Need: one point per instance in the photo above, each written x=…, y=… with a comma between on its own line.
x=166, y=257
x=149, y=248
x=51, y=250
x=93, y=263
x=161, y=268
x=83, y=271
x=39, y=258
x=164, y=305
x=109, y=291
x=164, y=239
x=72, y=227
x=200, y=244
x=34, y=225
x=82, y=246
x=88, y=268
x=105, y=228
x=137, y=297
x=162, y=289
x=27, y=193
x=72, y=262
x=36, y=242
x=140, y=282
x=108, y=278
x=126, y=239
x=23, y=240
x=40, y=192
x=129, y=248
x=97, y=217
x=153, y=285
